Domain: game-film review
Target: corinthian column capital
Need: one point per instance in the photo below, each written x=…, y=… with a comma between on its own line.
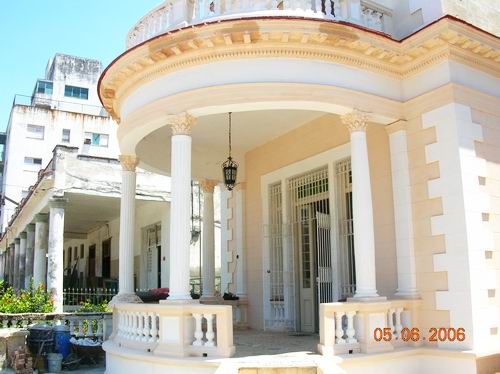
x=356, y=120
x=129, y=162
x=208, y=185
x=182, y=124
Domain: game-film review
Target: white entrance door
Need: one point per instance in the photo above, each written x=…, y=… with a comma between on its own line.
x=306, y=239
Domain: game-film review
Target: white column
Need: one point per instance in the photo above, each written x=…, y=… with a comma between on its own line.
x=241, y=270
x=180, y=232
x=12, y=263
x=126, y=292
x=165, y=250
x=15, y=281
x=403, y=212
x=2, y=265
x=364, y=237
x=40, y=252
x=7, y=265
x=30, y=253
x=55, y=266
x=22, y=259
x=208, y=240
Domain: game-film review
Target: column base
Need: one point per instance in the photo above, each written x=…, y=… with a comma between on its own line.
x=411, y=295
x=366, y=299
x=179, y=301
x=125, y=298
x=210, y=299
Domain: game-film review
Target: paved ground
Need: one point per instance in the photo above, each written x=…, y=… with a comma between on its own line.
x=258, y=349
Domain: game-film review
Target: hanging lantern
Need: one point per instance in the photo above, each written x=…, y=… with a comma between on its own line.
x=230, y=167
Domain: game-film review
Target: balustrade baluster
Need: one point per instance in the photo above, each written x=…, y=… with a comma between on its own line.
x=140, y=326
x=146, y=327
x=125, y=324
x=135, y=326
x=337, y=9
x=99, y=328
x=154, y=330
x=339, y=331
x=398, y=327
x=198, y=332
x=210, y=335
x=80, y=329
x=390, y=319
x=350, y=332
x=71, y=325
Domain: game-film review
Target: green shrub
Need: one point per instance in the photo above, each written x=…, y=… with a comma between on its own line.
x=30, y=300
x=88, y=307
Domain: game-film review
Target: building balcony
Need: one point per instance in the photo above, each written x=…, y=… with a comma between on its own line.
x=177, y=14
x=46, y=102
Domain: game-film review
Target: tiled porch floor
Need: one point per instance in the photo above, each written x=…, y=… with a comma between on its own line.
x=257, y=343
x=273, y=352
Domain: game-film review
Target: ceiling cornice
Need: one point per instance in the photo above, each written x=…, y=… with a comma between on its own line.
x=336, y=42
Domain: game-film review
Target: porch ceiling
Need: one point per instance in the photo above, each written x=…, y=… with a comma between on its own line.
x=85, y=213
x=210, y=139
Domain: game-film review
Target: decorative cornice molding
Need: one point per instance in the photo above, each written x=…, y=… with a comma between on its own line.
x=182, y=124
x=208, y=185
x=332, y=42
x=356, y=120
x=396, y=126
x=129, y=162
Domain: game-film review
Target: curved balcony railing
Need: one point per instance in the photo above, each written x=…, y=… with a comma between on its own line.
x=173, y=14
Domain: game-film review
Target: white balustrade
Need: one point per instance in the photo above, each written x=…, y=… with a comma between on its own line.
x=174, y=14
x=175, y=329
x=350, y=327
x=80, y=325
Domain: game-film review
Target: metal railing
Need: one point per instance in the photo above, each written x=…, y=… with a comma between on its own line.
x=77, y=296
x=196, y=286
x=46, y=102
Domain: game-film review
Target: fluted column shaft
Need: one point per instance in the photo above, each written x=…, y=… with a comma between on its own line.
x=40, y=251
x=364, y=236
x=55, y=266
x=30, y=253
x=180, y=232
x=208, y=239
x=127, y=225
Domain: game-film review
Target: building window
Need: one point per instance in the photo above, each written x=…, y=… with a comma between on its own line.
x=76, y=92
x=101, y=140
x=82, y=251
x=43, y=87
x=31, y=161
x=35, y=132
x=66, y=135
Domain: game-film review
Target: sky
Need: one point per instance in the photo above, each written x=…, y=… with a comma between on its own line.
x=32, y=31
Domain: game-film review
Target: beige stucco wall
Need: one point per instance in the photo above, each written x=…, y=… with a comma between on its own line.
x=426, y=245
x=489, y=150
x=308, y=140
